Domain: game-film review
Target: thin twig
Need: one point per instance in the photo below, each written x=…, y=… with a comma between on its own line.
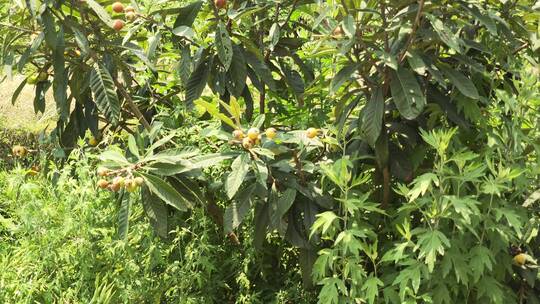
x=132, y=105
x=413, y=31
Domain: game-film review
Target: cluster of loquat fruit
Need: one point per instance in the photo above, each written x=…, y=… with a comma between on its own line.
x=129, y=183
x=130, y=14
x=254, y=136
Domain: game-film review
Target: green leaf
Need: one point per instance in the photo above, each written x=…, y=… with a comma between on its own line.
x=261, y=69
x=283, y=204
x=531, y=199
x=421, y=184
x=80, y=37
x=431, y=243
x=114, y=157
x=406, y=93
x=238, y=209
x=237, y=74
x=132, y=146
x=464, y=84
x=324, y=222
x=260, y=223
x=197, y=80
x=274, y=35
x=371, y=288
x=343, y=75
x=214, y=111
x=153, y=43
x=156, y=210
x=482, y=17
x=29, y=51
x=123, y=216
x=60, y=81
x=224, y=46
x=209, y=160
x=446, y=34
x=184, y=31
x=348, y=26
x=188, y=14
x=103, y=89
x=295, y=82
x=166, y=192
x=416, y=63
x=239, y=170
x=39, y=97
x=49, y=29
x=18, y=91
x=101, y=12
x=372, y=117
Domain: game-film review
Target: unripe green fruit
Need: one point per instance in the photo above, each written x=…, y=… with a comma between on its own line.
x=42, y=76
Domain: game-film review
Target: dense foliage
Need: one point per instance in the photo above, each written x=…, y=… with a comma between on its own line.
x=386, y=150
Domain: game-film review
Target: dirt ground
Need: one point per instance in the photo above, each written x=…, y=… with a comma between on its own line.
x=21, y=115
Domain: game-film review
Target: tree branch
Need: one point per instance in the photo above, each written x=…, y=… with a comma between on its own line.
x=132, y=105
x=413, y=31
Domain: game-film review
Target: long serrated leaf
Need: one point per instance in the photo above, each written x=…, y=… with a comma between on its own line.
x=18, y=91
x=274, y=34
x=239, y=170
x=260, y=223
x=237, y=74
x=156, y=210
x=197, y=80
x=224, y=46
x=28, y=52
x=80, y=37
x=101, y=12
x=343, y=75
x=114, y=157
x=462, y=83
x=123, y=216
x=283, y=204
x=49, y=29
x=39, y=97
x=209, y=160
x=187, y=14
x=166, y=192
x=214, y=111
x=406, y=93
x=236, y=212
x=103, y=89
x=372, y=117
x=60, y=81
x=446, y=35
x=261, y=69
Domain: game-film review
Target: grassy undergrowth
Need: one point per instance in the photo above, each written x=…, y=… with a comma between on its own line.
x=59, y=244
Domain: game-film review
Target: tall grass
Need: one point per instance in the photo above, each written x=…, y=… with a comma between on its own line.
x=59, y=244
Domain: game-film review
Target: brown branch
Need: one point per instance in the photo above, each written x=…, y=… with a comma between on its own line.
x=413, y=31
x=299, y=171
x=521, y=48
x=132, y=105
